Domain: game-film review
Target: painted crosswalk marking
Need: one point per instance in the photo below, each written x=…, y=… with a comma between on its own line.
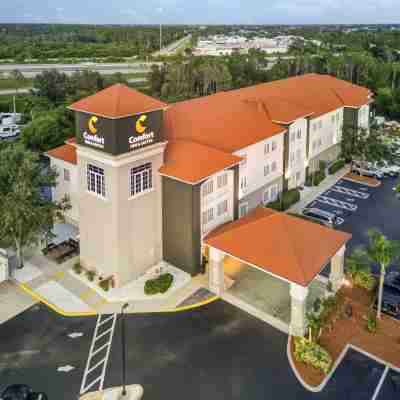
x=106, y=321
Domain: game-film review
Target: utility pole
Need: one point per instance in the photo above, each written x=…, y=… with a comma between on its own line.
x=160, y=37
x=123, y=343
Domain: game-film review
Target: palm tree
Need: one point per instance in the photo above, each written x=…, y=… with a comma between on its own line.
x=383, y=252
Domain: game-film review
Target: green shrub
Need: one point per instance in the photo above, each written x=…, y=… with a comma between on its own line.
x=315, y=178
x=372, y=323
x=90, y=275
x=312, y=354
x=322, y=165
x=364, y=279
x=105, y=284
x=275, y=205
x=289, y=198
x=77, y=268
x=339, y=164
x=158, y=285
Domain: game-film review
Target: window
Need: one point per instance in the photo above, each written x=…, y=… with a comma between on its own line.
x=95, y=180
x=292, y=136
x=66, y=175
x=299, y=134
x=333, y=119
x=222, y=180
x=320, y=124
x=274, y=193
x=319, y=142
x=243, y=182
x=266, y=170
x=141, y=179
x=208, y=188
x=208, y=216
x=273, y=166
x=266, y=197
x=222, y=208
x=274, y=146
x=243, y=209
x=266, y=148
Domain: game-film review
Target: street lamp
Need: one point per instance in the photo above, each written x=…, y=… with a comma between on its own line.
x=123, y=308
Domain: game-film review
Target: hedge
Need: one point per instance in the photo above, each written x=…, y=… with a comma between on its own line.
x=314, y=179
x=339, y=164
x=312, y=354
x=158, y=285
x=289, y=198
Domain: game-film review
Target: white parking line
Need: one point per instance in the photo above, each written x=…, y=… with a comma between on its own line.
x=350, y=192
x=337, y=203
x=379, y=386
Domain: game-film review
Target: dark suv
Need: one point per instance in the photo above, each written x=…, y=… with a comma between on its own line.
x=21, y=392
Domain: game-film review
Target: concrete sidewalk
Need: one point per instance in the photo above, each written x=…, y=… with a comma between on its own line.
x=134, y=392
x=308, y=194
x=67, y=293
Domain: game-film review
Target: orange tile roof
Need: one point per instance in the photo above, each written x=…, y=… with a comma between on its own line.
x=66, y=152
x=279, y=243
x=117, y=101
x=192, y=162
x=222, y=121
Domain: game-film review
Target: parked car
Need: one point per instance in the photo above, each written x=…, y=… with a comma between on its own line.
x=327, y=218
x=365, y=170
x=392, y=279
x=390, y=302
x=21, y=392
x=386, y=169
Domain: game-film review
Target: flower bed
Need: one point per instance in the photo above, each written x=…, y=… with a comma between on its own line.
x=312, y=354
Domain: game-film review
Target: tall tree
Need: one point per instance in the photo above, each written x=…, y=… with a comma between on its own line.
x=382, y=252
x=25, y=214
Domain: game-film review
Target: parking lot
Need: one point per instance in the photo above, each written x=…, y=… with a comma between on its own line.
x=361, y=208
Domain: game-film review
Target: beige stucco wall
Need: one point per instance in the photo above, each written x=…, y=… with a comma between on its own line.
x=69, y=188
x=120, y=235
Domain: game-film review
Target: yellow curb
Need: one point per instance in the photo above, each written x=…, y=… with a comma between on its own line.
x=64, y=313
x=196, y=305
x=58, y=275
x=53, y=307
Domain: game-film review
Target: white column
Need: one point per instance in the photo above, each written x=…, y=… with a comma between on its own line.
x=298, y=321
x=216, y=271
x=336, y=275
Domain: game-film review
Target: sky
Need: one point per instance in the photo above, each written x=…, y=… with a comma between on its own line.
x=201, y=11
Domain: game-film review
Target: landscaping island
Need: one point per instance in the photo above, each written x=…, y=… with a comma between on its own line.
x=384, y=343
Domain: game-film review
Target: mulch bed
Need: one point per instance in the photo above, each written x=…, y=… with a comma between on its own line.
x=363, y=179
x=385, y=343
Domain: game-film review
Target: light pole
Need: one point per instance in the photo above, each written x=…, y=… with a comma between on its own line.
x=123, y=308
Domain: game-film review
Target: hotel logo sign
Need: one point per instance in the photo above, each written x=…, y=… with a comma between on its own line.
x=91, y=138
x=119, y=135
x=143, y=136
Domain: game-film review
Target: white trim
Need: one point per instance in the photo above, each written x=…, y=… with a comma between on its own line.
x=379, y=386
x=136, y=196
x=127, y=158
x=202, y=179
x=97, y=195
x=119, y=117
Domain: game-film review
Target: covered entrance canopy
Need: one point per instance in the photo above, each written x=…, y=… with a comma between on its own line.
x=285, y=247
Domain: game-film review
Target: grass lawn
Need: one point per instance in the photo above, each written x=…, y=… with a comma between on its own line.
x=9, y=83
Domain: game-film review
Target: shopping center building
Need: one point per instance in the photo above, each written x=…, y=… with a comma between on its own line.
x=151, y=182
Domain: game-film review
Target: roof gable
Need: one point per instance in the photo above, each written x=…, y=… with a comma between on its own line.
x=117, y=101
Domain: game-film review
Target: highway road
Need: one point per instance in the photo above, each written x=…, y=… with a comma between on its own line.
x=31, y=70
x=173, y=47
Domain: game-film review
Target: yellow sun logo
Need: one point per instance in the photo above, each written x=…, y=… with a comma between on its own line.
x=140, y=127
x=92, y=125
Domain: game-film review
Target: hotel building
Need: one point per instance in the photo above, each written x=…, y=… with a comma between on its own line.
x=151, y=182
